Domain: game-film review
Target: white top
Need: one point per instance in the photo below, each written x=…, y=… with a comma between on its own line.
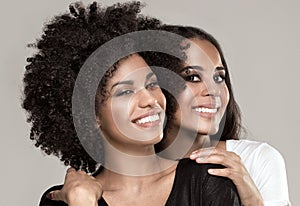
x=266, y=167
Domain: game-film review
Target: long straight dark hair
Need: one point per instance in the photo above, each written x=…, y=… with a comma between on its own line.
x=232, y=123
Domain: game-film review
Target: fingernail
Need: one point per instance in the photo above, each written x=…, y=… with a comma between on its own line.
x=193, y=155
x=211, y=171
x=200, y=159
x=49, y=195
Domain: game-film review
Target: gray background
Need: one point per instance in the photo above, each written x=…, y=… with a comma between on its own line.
x=261, y=43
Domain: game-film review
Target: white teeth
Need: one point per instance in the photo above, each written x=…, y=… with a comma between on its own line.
x=152, y=118
x=207, y=110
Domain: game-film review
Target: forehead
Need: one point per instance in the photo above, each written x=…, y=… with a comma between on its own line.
x=202, y=53
x=130, y=68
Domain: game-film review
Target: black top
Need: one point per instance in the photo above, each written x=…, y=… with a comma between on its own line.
x=192, y=186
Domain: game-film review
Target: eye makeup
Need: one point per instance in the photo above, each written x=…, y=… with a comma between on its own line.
x=194, y=74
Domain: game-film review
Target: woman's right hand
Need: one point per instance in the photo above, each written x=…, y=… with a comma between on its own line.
x=79, y=189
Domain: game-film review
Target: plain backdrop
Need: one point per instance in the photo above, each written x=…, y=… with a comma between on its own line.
x=261, y=43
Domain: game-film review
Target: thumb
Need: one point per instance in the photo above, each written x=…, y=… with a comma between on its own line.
x=55, y=195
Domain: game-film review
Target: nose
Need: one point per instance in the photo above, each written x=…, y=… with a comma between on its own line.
x=210, y=88
x=146, y=98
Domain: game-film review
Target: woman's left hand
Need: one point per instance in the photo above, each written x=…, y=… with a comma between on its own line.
x=234, y=170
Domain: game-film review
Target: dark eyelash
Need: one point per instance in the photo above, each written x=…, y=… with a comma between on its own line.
x=223, y=76
x=123, y=92
x=187, y=78
x=153, y=84
x=220, y=75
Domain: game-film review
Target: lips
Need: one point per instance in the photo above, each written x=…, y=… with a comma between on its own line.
x=149, y=119
x=208, y=110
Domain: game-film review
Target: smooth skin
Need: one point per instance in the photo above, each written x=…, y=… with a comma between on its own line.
x=133, y=95
x=235, y=170
x=208, y=85
x=79, y=189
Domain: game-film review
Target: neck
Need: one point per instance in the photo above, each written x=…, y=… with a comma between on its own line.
x=136, y=160
x=182, y=142
x=127, y=172
x=115, y=181
x=201, y=141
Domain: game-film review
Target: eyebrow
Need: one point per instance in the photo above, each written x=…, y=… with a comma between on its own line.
x=191, y=67
x=148, y=76
x=130, y=82
x=219, y=68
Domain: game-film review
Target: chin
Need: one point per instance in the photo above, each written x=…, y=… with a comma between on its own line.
x=209, y=130
x=152, y=140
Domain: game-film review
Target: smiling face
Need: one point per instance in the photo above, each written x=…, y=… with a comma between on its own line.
x=203, y=101
x=133, y=113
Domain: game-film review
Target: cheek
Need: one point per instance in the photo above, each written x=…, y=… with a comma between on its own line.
x=104, y=118
x=225, y=96
x=177, y=117
x=160, y=98
x=114, y=111
x=186, y=95
x=121, y=109
x=184, y=99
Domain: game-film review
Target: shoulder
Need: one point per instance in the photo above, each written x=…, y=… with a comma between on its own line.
x=190, y=167
x=243, y=144
x=256, y=156
x=198, y=174
x=246, y=148
x=214, y=190
x=47, y=202
x=266, y=167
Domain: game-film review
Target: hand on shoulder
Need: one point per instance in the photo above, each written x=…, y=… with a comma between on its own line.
x=79, y=189
x=234, y=170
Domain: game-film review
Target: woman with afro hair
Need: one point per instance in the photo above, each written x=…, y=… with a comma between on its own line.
x=129, y=92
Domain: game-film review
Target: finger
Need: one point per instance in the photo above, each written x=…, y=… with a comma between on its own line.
x=81, y=172
x=70, y=170
x=218, y=159
x=234, y=156
x=226, y=172
x=232, y=174
x=202, y=152
x=70, y=173
x=54, y=195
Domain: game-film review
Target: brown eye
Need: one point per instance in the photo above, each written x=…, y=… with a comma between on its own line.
x=124, y=92
x=193, y=78
x=152, y=85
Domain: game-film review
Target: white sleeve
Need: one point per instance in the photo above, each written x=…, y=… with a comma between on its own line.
x=267, y=169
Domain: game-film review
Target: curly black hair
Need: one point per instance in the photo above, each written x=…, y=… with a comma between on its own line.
x=67, y=41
